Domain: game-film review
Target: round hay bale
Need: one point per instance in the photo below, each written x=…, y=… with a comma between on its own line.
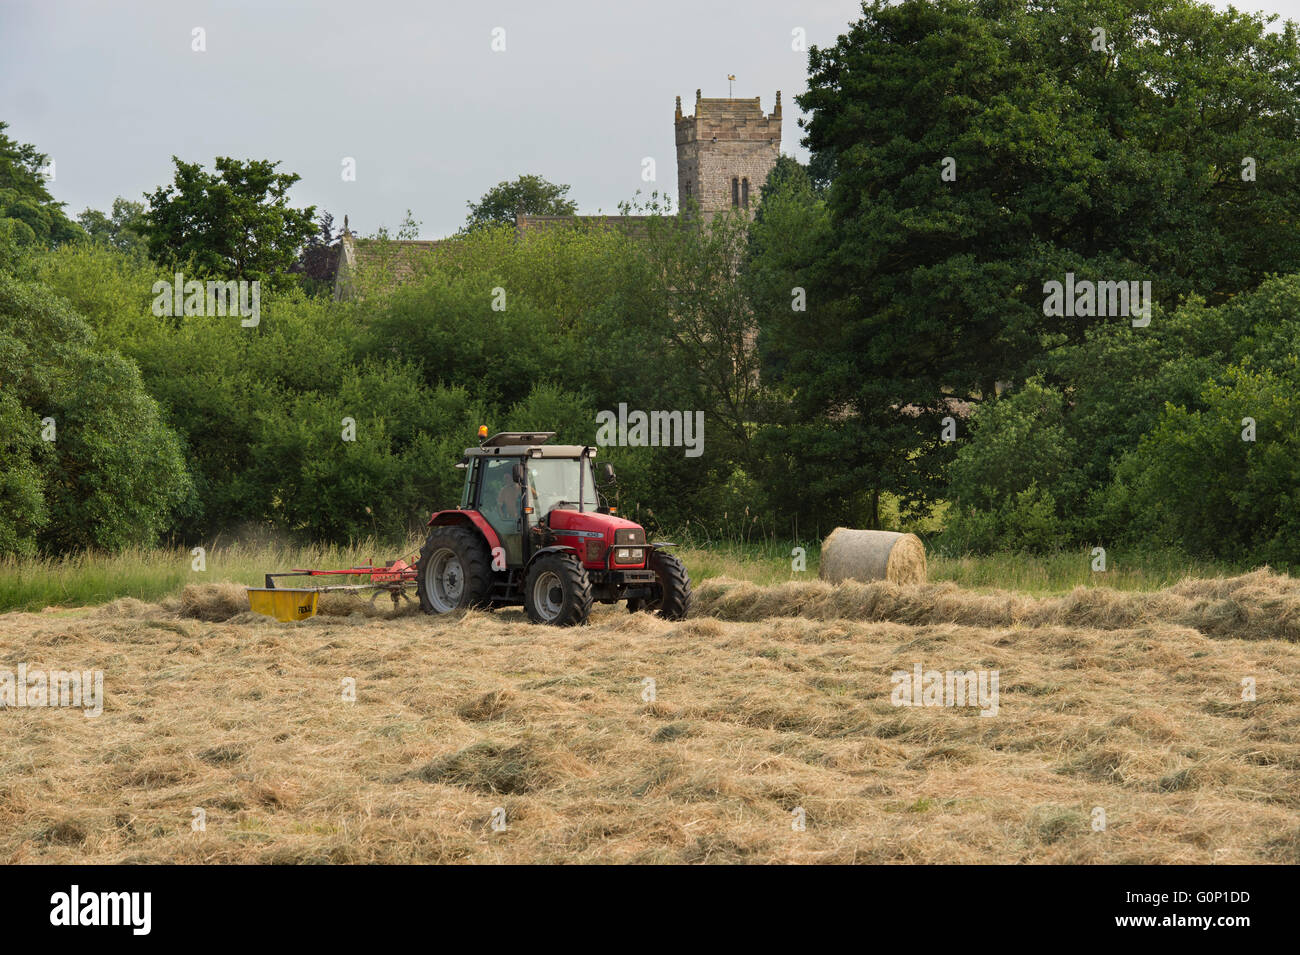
x=849, y=554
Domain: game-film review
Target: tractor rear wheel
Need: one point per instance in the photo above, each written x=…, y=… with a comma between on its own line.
x=455, y=570
x=557, y=591
x=673, y=600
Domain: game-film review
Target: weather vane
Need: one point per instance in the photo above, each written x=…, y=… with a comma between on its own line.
x=731, y=78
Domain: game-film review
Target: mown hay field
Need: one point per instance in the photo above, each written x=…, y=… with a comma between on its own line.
x=772, y=704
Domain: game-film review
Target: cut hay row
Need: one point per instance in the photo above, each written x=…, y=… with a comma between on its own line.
x=1257, y=606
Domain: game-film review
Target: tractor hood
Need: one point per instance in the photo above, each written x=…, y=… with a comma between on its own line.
x=590, y=522
x=600, y=540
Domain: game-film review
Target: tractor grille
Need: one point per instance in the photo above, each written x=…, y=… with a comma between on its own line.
x=629, y=535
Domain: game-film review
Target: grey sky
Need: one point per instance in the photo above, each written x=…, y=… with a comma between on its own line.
x=411, y=90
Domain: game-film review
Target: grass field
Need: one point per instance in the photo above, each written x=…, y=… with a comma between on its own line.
x=772, y=703
x=151, y=574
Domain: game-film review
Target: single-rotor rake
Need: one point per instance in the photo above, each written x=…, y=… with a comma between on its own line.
x=395, y=578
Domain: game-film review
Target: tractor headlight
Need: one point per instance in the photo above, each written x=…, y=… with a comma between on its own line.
x=624, y=555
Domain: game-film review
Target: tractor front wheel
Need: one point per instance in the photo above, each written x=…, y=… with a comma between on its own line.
x=455, y=570
x=673, y=599
x=557, y=591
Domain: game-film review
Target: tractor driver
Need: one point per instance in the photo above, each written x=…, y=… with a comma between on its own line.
x=502, y=490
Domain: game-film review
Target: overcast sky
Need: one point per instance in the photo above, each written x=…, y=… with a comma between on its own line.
x=413, y=91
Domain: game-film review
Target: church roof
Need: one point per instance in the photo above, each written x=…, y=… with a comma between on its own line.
x=633, y=226
x=395, y=259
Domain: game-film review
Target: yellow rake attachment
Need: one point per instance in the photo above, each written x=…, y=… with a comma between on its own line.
x=284, y=603
x=298, y=603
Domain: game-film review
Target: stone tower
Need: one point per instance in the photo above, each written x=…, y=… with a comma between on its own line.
x=725, y=151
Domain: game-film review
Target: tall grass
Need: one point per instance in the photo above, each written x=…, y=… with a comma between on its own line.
x=152, y=573
x=770, y=562
x=1062, y=571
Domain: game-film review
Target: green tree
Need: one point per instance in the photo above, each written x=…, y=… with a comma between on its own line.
x=23, y=511
x=394, y=467
x=983, y=147
x=529, y=194
x=235, y=223
x=1068, y=432
x=703, y=316
x=318, y=262
x=28, y=213
x=788, y=174
x=123, y=229
x=89, y=461
x=1223, y=479
x=1006, y=479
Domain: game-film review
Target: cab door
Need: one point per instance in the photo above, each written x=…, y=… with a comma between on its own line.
x=500, y=501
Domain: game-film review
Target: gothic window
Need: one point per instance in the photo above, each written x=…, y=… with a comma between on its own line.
x=735, y=191
x=744, y=192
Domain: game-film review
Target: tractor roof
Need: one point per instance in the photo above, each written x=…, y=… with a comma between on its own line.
x=504, y=438
x=515, y=444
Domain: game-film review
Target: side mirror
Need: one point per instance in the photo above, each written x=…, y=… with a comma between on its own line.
x=609, y=472
x=517, y=472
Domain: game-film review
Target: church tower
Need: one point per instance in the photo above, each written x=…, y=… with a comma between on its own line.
x=725, y=151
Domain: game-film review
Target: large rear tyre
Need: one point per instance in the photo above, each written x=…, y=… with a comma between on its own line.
x=557, y=591
x=455, y=570
x=673, y=600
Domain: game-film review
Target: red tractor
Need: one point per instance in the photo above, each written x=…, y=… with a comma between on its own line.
x=533, y=529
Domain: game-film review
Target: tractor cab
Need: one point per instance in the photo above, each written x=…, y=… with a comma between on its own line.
x=514, y=480
x=550, y=534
